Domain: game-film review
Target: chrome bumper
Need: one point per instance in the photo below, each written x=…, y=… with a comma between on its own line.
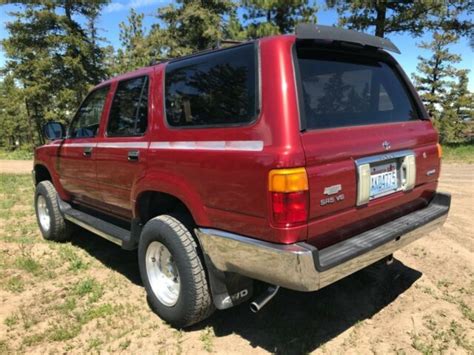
x=302, y=267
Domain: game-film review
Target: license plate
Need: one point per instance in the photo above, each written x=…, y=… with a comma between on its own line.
x=383, y=179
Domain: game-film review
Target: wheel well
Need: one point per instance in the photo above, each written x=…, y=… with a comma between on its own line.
x=152, y=203
x=41, y=174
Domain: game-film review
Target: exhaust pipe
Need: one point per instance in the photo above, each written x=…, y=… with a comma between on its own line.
x=264, y=298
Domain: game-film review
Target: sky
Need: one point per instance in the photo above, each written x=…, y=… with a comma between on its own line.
x=117, y=12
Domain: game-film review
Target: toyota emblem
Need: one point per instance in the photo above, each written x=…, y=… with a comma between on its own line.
x=386, y=145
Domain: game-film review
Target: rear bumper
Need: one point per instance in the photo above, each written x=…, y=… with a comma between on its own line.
x=302, y=267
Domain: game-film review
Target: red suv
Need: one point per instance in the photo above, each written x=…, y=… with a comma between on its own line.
x=294, y=160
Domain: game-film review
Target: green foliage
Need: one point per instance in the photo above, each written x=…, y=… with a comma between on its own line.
x=270, y=17
x=192, y=25
x=136, y=51
x=415, y=17
x=448, y=101
x=461, y=153
x=53, y=59
x=435, y=71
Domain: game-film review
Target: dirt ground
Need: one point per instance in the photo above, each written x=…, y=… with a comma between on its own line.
x=86, y=296
x=16, y=166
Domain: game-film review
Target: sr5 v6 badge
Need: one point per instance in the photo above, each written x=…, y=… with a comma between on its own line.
x=331, y=190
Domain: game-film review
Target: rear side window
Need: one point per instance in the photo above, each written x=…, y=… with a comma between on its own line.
x=129, y=111
x=340, y=91
x=216, y=89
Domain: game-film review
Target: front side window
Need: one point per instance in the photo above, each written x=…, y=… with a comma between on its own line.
x=129, y=111
x=86, y=122
x=216, y=89
x=339, y=90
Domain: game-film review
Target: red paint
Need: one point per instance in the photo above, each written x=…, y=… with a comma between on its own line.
x=228, y=190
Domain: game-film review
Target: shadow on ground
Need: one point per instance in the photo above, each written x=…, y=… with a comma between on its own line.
x=109, y=254
x=293, y=322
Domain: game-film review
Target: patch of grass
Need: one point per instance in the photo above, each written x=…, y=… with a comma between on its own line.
x=27, y=263
x=207, y=336
x=466, y=311
x=69, y=255
x=125, y=344
x=15, y=284
x=458, y=333
x=4, y=349
x=63, y=332
x=89, y=286
x=17, y=154
x=68, y=306
x=94, y=344
x=28, y=318
x=30, y=340
x=12, y=320
x=461, y=153
x=102, y=311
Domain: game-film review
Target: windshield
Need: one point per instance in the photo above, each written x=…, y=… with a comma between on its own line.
x=341, y=90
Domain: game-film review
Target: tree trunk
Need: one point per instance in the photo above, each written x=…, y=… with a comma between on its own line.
x=381, y=9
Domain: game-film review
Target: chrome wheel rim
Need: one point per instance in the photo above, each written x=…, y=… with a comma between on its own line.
x=162, y=273
x=43, y=213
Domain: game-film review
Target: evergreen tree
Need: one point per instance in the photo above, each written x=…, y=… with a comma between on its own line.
x=457, y=106
x=135, y=52
x=412, y=16
x=434, y=72
x=53, y=58
x=270, y=17
x=192, y=25
x=14, y=126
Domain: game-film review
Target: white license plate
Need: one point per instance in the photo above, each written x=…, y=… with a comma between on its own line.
x=383, y=179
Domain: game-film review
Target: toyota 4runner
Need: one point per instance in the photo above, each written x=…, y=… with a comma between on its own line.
x=294, y=160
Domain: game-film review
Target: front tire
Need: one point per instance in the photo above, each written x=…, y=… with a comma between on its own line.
x=52, y=224
x=173, y=273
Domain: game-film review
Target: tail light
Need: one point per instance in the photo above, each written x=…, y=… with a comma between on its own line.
x=289, y=196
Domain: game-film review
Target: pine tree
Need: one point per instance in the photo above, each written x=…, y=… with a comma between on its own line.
x=192, y=25
x=434, y=72
x=413, y=17
x=14, y=126
x=270, y=17
x=53, y=58
x=457, y=106
x=135, y=51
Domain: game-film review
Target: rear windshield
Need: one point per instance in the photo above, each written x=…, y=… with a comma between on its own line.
x=339, y=91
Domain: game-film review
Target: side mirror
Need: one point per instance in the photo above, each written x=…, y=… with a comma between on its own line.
x=54, y=130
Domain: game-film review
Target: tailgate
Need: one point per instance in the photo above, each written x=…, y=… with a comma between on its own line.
x=370, y=157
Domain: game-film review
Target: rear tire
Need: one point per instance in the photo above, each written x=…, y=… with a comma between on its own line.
x=52, y=224
x=173, y=273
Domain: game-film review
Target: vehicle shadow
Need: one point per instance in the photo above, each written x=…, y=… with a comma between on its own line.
x=297, y=322
x=109, y=254
x=293, y=322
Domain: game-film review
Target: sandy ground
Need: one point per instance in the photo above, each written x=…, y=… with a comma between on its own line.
x=16, y=166
x=422, y=303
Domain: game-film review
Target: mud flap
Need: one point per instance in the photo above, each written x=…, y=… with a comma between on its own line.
x=228, y=289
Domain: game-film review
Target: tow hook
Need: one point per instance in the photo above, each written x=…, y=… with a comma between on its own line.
x=264, y=298
x=389, y=259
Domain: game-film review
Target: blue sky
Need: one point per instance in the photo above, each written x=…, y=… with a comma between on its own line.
x=118, y=10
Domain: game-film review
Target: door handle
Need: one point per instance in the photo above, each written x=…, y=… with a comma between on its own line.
x=133, y=155
x=87, y=152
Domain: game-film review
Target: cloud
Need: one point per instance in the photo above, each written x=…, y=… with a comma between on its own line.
x=131, y=4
